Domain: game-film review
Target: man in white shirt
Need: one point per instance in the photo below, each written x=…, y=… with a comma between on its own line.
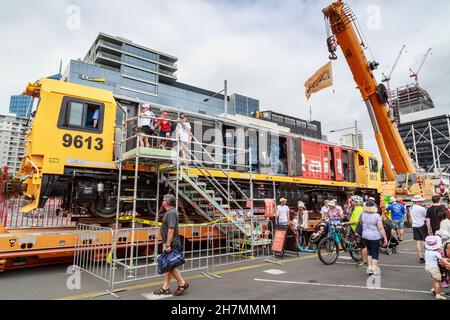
x=418, y=215
x=183, y=132
x=283, y=213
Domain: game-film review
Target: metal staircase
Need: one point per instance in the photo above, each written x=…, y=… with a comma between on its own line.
x=205, y=193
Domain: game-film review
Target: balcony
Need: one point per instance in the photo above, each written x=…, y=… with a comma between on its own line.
x=109, y=56
x=110, y=45
x=172, y=65
x=168, y=74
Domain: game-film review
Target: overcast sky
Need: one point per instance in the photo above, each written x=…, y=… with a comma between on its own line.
x=265, y=49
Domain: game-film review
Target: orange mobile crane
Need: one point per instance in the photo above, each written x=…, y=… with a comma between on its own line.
x=340, y=21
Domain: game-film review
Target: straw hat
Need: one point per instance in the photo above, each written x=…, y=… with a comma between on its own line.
x=301, y=204
x=283, y=200
x=417, y=199
x=332, y=203
x=433, y=243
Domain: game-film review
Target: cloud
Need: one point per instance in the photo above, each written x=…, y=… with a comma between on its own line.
x=265, y=49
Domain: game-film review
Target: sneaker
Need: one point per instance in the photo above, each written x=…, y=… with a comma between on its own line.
x=444, y=284
x=369, y=271
x=422, y=260
x=376, y=273
x=441, y=297
x=362, y=264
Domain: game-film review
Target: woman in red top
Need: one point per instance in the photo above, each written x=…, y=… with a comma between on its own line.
x=164, y=125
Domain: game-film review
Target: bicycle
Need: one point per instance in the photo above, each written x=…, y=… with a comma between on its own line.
x=328, y=249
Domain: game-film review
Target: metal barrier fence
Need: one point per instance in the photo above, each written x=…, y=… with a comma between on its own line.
x=92, y=249
x=50, y=215
x=129, y=255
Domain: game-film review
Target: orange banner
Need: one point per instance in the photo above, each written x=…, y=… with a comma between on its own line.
x=320, y=80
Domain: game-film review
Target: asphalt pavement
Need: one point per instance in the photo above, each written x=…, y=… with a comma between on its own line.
x=292, y=278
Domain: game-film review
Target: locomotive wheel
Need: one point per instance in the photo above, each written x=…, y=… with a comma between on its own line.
x=99, y=208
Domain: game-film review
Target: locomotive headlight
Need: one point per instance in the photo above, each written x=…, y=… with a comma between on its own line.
x=100, y=187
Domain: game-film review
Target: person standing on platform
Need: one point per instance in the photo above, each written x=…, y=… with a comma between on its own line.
x=418, y=215
x=283, y=213
x=184, y=133
x=145, y=125
x=164, y=124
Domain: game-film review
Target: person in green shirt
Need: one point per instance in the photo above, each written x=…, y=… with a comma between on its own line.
x=356, y=210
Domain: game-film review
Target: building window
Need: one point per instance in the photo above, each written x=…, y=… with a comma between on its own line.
x=139, y=63
x=138, y=85
x=81, y=115
x=140, y=52
x=135, y=73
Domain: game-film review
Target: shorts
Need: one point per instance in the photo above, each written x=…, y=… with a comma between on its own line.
x=434, y=273
x=163, y=134
x=398, y=224
x=420, y=233
x=373, y=248
x=146, y=130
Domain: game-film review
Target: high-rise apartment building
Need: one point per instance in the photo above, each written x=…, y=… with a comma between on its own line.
x=137, y=73
x=350, y=139
x=21, y=105
x=12, y=141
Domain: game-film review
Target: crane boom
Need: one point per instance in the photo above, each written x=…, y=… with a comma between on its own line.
x=393, y=151
x=415, y=75
x=388, y=78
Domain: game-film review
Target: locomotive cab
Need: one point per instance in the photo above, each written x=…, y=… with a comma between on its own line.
x=72, y=136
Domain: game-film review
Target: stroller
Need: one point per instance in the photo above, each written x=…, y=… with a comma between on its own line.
x=320, y=232
x=393, y=243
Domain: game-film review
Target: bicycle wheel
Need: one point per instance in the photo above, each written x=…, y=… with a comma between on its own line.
x=328, y=251
x=355, y=252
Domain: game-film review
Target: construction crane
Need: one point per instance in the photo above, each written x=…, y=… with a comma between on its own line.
x=341, y=21
x=415, y=75
x=387, y=78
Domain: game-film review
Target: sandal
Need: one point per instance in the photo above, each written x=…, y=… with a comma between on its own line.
x=162, y=292
x=181, y=289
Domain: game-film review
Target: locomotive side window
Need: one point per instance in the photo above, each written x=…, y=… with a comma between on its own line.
x=80, y=115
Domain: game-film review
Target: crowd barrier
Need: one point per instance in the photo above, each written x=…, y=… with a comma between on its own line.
x=129, y=255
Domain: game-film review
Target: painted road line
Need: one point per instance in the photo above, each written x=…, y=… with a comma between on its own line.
x=193, y=277
x=345, y=258
x=275, y=272
x=388, y=265
x=341, y=286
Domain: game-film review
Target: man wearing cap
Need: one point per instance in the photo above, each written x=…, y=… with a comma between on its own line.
x=418, y=214
x=397, y=213
x=283, y=213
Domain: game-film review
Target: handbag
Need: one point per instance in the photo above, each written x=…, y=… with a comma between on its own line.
x=359, y=227
x=168, y=261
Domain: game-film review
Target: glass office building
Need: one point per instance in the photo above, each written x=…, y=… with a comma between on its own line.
x=139, y=73
x=20, y=105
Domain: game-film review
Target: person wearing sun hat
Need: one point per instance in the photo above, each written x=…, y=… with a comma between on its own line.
x=432, y=260
x=418, y=215
x=372, y=232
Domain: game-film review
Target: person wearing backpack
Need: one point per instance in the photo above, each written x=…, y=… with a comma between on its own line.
x=433, y=218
